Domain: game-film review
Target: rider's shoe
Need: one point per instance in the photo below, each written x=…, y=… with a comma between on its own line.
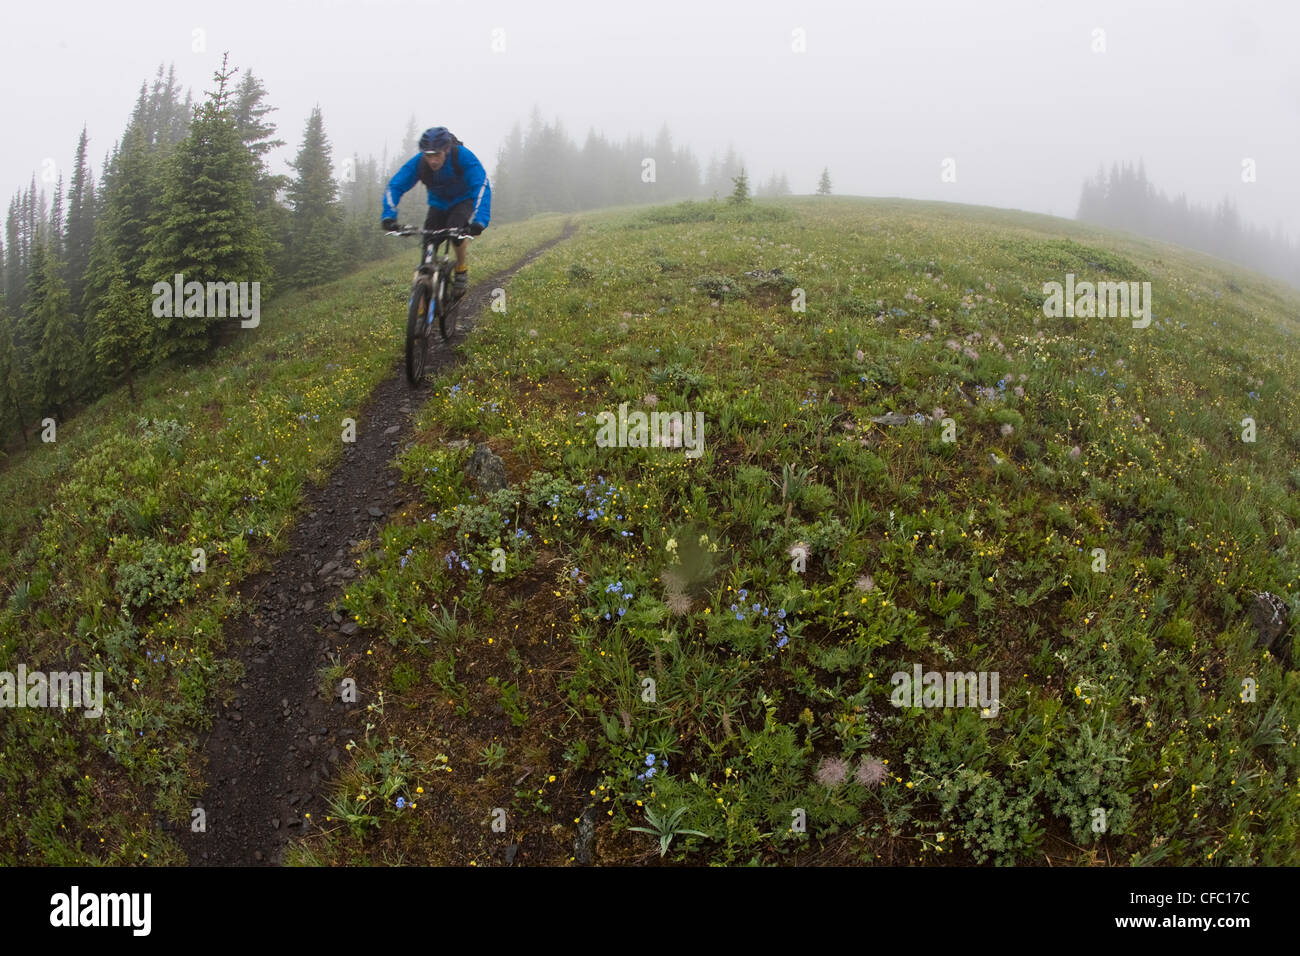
x=460, y=283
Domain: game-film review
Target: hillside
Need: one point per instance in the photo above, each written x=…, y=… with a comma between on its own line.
x=919, y=471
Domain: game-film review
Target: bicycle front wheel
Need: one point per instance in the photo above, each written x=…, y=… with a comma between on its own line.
x=446, y=308
x=417, y=339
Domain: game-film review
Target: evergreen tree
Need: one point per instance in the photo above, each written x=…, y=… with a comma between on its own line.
x=315, y=218
x=56, y=219
x=507, y=177
x=740, y=194
x=130, y=209
x=209, y=231
x=15, y=267
x=824, y=184
x=123, y=329
x=411, y=141
x=80, y=230
x=53, y=353
x=13, y=416
x=257, y=134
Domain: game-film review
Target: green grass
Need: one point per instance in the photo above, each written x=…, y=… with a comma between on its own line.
x=1120, y=689
x=649, y=617
x=98, y=532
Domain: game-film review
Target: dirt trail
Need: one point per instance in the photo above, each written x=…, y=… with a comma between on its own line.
x=273, y=750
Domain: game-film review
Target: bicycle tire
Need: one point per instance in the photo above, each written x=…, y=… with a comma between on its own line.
x=446, y=308
x=417, y=339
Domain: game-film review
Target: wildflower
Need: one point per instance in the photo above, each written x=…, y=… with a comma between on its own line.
x=650, y=400
x=1006, y=429
x=799, y=550
x=401, y=803
x=865, y=582
x=1075, y=452
x=870, y=772
x=832, y=771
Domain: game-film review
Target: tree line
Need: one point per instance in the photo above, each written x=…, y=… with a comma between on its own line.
x=1125, y=199
x=187, y=189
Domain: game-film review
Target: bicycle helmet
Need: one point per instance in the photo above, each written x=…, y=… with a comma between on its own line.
x=436, y=137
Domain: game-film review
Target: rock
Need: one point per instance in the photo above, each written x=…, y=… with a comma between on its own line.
x=510, y=852
x=374, y=512
x=392, y=429
x=584, y=844
x=1272, y=618
x=458, y=444
x=892, y=418
x=487, y=469
x=349, y=628
x=259, y=856
x=327, y=568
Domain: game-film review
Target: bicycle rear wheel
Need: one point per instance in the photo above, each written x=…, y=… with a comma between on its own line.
x=417, y=338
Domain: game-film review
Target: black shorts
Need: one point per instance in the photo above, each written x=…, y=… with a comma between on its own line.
x=457, y=215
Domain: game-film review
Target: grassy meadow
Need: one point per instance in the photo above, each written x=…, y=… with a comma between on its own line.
x=635, y=655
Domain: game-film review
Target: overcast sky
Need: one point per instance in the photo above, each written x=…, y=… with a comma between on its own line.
x=1012, y=90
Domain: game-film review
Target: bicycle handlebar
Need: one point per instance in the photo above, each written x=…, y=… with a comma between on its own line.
x=448, y=232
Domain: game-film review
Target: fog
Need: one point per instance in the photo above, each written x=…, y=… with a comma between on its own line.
x=1020, y=95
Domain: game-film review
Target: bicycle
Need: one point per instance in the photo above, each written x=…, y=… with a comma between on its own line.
x=431, y=295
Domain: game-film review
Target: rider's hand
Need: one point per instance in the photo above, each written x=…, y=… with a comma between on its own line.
x=474, y=229
x=390, y=225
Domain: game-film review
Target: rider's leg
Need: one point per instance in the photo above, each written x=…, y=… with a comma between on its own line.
x=459, y=215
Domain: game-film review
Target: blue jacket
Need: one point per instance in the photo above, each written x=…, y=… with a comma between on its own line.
x=462, y=177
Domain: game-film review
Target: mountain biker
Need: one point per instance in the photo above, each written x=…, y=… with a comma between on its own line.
x=459, y=192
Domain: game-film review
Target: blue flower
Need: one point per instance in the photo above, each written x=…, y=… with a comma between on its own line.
x=783, y=642
x=756, y=608
x=743, y=594
x=401, y=802
x=781, y=613
x=649, y=760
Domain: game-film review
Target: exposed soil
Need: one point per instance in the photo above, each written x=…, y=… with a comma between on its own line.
x=276, y=745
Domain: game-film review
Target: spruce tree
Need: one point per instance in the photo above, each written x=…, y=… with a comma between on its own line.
x=123, y=329
x=824, y=184
x=130, y=206
x=209, y=230
x=257, y=134
x=13, y=415
x=740, y=194
x=15, y=267
x=80, y=229
x=315, y=218
x=53, y=352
